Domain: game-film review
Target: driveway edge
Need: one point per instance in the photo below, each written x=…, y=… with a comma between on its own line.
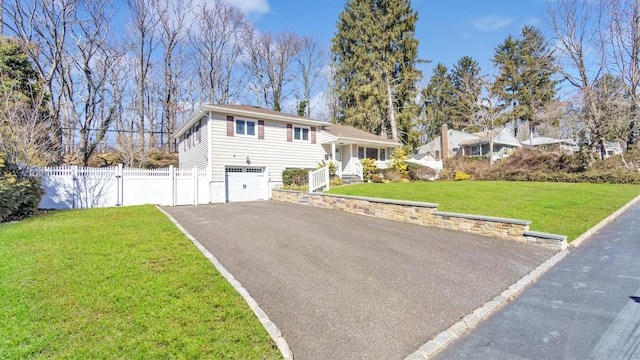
x=445, y=338
x=271, y=328
x=602, y=223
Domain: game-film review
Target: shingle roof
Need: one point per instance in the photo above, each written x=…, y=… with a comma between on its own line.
x=349, y=132
x=260, y=110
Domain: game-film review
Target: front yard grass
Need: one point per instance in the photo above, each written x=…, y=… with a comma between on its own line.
x=117, y=283
x=559, y=208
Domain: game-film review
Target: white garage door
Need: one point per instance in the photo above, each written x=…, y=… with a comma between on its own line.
x=246, y=184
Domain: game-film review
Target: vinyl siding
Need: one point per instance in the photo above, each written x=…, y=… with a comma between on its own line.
x=272, y=152
x=196, y=156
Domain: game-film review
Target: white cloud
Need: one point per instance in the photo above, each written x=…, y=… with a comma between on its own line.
x=250, y=7
x=492, y=22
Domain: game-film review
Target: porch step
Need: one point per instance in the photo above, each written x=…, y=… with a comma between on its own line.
x=304, y=200
x=351, y=179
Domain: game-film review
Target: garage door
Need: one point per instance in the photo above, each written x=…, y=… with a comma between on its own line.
x=246, y=184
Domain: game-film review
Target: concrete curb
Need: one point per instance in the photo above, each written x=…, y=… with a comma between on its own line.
x=602, y=223
x=434, y=346
x=271, y=328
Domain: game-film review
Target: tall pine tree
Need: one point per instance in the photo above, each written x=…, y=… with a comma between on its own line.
x=438, y=101
x=526, y=81
x=467, y=84
x=374, y=56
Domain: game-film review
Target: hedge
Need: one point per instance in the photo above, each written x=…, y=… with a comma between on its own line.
x=20, y=193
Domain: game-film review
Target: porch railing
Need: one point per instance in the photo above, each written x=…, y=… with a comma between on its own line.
x=319, y=179
x=358, y=169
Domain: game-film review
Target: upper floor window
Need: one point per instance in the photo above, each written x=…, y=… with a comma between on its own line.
x=187, y=139
x=246, y=127
x=301, y=133
x=196, y=133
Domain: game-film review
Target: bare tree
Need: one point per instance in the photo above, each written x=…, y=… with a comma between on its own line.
x=171, y=37
x=143, y=25
x=270, y=67
x=86, y=75
x=219, y=39
x=310, y=60
x=622, y=20
x=582, y=56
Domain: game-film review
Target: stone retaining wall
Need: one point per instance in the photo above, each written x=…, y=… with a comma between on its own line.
x=426, y=214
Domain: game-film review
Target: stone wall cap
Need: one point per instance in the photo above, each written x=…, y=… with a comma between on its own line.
x=384, y=201
x=485, y=218
x=543, y=235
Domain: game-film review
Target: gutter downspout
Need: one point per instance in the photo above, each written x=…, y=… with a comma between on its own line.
x=209, y=152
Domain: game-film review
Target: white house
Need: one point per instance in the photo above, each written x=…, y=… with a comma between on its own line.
x=244, y=149
x=470, y=144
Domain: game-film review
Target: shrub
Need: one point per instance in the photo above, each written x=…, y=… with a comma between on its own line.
x=399, y=161
x=461, y=175
x=377, y=179
x=20, y=193
x=446, y=174
x=295, y=177
x=412, y=166
x=336, y=182
x=423, y=173
x=333, y=167
x=392, y=175
x=369, y=168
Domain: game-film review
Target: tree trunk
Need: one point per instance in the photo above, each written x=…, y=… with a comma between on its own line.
x=393, y=124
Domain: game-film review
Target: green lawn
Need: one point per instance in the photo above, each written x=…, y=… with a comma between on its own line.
x=559, y=208
x=117, y=283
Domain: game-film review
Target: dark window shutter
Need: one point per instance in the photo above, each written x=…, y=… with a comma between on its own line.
x=229, y=125
x=313, y=135
x=289, y=132
x=260, y=129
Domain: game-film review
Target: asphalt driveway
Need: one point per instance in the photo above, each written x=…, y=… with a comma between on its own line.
x=344, y=286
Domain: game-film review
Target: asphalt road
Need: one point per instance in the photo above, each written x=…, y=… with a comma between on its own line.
x=586, y=307
x=344, y=286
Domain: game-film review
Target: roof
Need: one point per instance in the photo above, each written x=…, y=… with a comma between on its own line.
x=483, y=137
x=347, y=133
x=248, y=111
x=543, y=140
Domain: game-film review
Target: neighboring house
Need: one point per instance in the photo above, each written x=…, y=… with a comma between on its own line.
x=425, y=160
x=612, y=148
x=245, y=148
x=471, y=144
x=566, y=146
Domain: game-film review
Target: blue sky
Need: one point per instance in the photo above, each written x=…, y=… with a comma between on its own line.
x=446, y=29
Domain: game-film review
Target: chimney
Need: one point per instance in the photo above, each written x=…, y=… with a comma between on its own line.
x=444, y=142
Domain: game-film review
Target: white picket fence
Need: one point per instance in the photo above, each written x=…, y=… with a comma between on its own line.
x=73, y=187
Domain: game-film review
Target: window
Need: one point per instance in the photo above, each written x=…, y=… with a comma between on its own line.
x=196, y=132
x=372, y=153
x=301, y=133
x=245, y=127
x=187, y=140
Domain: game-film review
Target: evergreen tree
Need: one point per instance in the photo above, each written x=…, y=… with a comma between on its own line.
x=527, y=67
x=467, y=84
x=438, y=100
x=374, y=56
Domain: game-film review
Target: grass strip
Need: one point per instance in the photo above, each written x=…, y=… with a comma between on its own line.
x=117, y=283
